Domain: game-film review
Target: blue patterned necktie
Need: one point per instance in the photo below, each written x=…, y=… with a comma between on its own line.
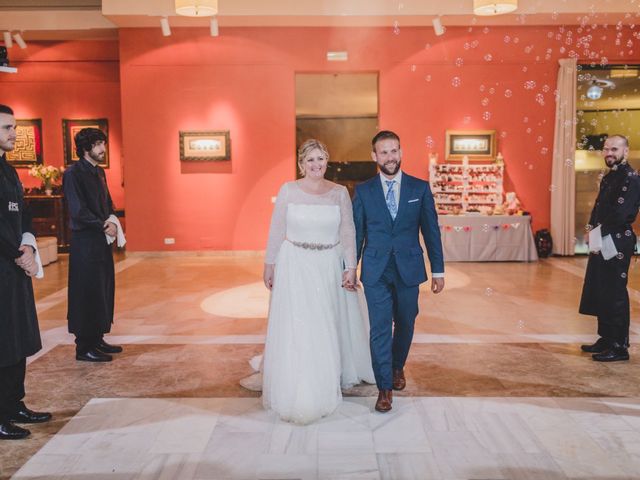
x=391, y=199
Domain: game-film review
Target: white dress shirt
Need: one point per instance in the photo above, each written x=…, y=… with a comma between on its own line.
x=396, y=191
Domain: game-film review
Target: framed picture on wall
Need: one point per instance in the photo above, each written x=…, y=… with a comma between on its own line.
x=28, y=149
x=205, y=146
x=474, y=144
x=69, y=130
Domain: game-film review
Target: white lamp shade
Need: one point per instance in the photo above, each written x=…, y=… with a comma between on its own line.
x=493, y=7
x=197, y=8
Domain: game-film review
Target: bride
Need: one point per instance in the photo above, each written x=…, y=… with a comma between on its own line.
x=317, y=336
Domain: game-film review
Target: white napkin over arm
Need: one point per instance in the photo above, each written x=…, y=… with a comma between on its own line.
x=119, y=235
x=29, y=239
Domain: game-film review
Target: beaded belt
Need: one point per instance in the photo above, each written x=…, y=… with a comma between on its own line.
x=313, y=246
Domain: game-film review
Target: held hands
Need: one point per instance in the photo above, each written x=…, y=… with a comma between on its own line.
x=27, y=261
x=110, y=229
x=268, y=274
x=437, y=284
x=349, y=281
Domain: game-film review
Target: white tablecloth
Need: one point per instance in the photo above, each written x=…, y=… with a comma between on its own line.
x=487, y=238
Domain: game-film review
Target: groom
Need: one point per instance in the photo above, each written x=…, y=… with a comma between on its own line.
x=388, y=211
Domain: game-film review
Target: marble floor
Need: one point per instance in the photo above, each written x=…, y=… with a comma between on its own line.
x=497, y=386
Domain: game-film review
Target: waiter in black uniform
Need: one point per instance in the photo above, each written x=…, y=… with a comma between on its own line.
x=19, y=261
x=91, y=271
x=604, y=294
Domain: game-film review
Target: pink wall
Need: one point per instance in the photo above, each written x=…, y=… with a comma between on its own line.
x=243, y=81
x=67, y=80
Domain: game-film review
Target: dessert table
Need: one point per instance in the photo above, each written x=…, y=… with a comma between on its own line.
x=487, y=238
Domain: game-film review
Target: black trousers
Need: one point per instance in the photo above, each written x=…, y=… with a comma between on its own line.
x=86, y=343
x=11, y=389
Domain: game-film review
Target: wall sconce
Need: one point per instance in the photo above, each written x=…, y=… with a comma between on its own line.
x=166, y=28
x=19, y=40
x=8, y=41
x=213, y=27
x=438, y=28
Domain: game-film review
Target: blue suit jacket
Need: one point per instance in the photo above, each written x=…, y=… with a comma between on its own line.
x=378, y=237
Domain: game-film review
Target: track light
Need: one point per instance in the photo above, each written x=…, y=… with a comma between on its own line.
x=19, y=40
x=438, y=28
x=166, y=29
x=8, y=42
x=213, y=26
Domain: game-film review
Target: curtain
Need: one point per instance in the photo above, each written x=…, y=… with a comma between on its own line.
x=563, y=176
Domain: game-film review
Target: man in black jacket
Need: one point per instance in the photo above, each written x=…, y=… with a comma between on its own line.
x=19, y=261
x=91, y=271
x=604, y=294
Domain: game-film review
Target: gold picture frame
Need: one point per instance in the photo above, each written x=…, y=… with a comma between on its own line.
x=205, y=146
x=474, y=144
x=28, y=147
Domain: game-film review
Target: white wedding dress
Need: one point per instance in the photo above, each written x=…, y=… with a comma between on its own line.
x=318, y=332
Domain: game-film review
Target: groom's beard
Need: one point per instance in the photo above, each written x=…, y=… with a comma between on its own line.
x=390, y=168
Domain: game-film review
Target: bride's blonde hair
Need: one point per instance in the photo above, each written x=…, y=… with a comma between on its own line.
x=306, y=148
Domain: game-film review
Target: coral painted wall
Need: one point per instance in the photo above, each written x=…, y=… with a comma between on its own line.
x=500, y=78
x=74, y=80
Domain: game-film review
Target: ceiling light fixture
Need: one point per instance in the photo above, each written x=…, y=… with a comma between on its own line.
x=594, y=92
x=491, y=7
x=166, y=28
x=197, y=8
x=19, y=40
x=8, y=42
x=213, y=27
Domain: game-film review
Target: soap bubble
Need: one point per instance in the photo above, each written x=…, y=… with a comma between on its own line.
x=525, y=120
x=620, y=256
x=467, y=46
x=539, y=139
x=429, y=141
x=544, y=150
x=620, y=200
x=503, y=134
x=466, y=119
x=540, y=98
x=427, y=78
x=488, y=292
x=530, y=167
x=552, y=188
x=529, y=84
x=628, y=233
x=485, y=102
x=528, y=130
x=488, y=57
x=623, y=275
x=413, y=68
x=546, y=88
x=485, y=30
x=485, y=228
x=492, y=90
x=508, y=93
x=507, y=39
x=568, y=163
x=521, y=324
x=456, y=81
x=459, y=62
x=486, y=116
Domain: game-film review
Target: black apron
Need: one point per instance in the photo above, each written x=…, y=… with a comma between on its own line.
x=91, y=269
x=19, y=331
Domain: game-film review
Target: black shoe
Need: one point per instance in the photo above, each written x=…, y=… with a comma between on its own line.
x=9, y=431
x=613, y=354
x=24, y=415
x=105, y=347
x=93, y=356
x=600, y=346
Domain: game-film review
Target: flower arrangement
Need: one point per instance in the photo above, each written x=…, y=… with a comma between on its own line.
x=48, y=174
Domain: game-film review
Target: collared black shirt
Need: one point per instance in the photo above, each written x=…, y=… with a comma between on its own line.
x=618, y=200
x=87, y=195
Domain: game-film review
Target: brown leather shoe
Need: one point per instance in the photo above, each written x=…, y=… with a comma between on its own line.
x=385, y=397
x=399, y=382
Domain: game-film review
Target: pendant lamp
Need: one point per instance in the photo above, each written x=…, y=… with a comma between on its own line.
x=493, y=7
x=197, y=8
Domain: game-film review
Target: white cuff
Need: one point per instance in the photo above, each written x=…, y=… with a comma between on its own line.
x=437, y=275
x=29, y=239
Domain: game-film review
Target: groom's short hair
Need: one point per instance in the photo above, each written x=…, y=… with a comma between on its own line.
x=384, y=135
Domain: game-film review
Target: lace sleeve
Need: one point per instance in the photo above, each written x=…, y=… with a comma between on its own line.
x=347, y=229
x=278, y=228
